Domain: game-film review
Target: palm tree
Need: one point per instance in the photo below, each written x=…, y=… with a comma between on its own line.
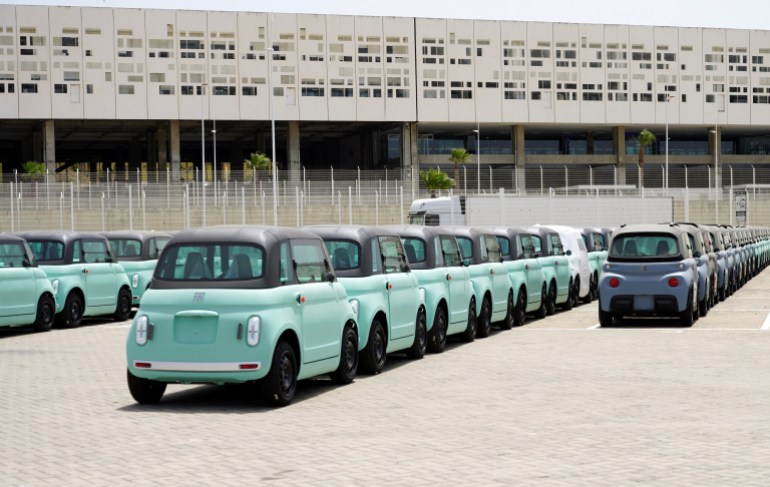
x=434, y=179
x=646, y=138
x=34, y=167
x=258, y=161
x=459, y=156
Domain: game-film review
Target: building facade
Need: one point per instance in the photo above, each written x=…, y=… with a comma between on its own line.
x=104, y=84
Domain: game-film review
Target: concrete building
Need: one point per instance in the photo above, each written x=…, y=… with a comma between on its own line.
x=133, y=85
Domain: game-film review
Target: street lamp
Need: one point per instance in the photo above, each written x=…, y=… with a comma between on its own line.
x=668, y=98
x=478, y=157
x=272, y=129
x=203, y=155
x=717, y=143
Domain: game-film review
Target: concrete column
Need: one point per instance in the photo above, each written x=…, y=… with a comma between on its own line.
x=410, y=161
x=261, y=144
x=714, y=146
x=292, y=142
x=589, y=143
x=619, y=149
x=176, y=158
x=49, y=146
x=162, y=138
x=37, y=147
x=519, y=157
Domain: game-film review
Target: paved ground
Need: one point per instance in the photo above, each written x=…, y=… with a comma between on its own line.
x=554, y=402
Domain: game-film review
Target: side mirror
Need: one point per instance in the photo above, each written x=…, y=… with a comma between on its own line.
x=501, y=259
x=330, y=276
x=25, y=262
x=405, y=267
x=466, y=262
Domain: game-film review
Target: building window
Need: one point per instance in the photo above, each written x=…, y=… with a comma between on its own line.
x=249, y=90
x=89, y=89
x=312, y=91
x=166, y=90
x=125, y=89
x=29, y=87
x=60, y=88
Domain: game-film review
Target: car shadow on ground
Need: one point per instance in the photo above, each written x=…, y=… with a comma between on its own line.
x=649, y=323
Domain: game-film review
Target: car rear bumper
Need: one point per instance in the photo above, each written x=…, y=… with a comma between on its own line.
x=644, y=305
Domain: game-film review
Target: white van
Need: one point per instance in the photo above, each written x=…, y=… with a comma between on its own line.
x=577, y=254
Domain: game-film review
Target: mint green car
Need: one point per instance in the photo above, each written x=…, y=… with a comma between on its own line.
x=26, y=294
x=480, y=250
x=86, y=279
x=450, y=301
x=242, y=305
x=372, y=266
x=137, y=252
x=549, y=249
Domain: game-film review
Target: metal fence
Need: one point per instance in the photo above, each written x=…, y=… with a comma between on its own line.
x=109, y=200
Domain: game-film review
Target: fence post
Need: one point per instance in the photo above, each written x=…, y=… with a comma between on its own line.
x=541, y=180
x=72, y=206
x=339, y=207
x=401, y=206
x=332, y=181
x=13, y=228
x=376, y=208
x=130, y=208
x=296, y=199
x=243, y=205
x=502, y=205
x=61, y=211
x=263, y=206
x=350, y=205
x=491, y=187
x=144, y=210
x=103, y=229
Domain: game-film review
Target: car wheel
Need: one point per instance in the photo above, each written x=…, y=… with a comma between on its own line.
x=686, y=317
x=484, y=322
x=550, y=307
x=280, y=385
x=590, y=296
x=145, y=391
x=72, y=314
x=595, y=288
x=570, y=302
x=437, y=338
x=373, y=356
x=123, y=308
x=348, y=367
x=420, y=344
x=520, y=310
x=703, y=307
x=606, y=319
x=46, y=309
x=542, y=311
x=470, y=330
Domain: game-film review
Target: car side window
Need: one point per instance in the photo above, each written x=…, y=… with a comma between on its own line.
x=505, y=246
x=94, y=251
x=521, y=251
x=466, y=247
x=599, y=242
x=492, y=248
x=77, y=252
x=450, y=251
x=283, y=264
x=393, y=257
x=556, y=245
x=415, y=249
x=12, y=255
x=309, y=260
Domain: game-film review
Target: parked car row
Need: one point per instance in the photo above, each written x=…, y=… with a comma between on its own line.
x=677, y=269
x=277, y=305
x=62, y=277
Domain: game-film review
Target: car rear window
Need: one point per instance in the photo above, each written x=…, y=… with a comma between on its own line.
x=11, y=255
x=345, y=254
x=211, y=262
x=645, y=246
x=415, y=249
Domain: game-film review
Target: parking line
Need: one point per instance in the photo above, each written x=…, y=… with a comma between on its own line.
x=595, y=327
x=766, y=324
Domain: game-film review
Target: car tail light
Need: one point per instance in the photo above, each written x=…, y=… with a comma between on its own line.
x=614, y=282
x=253, y=327
x=673, y=282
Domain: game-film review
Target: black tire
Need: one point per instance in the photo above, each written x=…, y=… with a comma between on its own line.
x=520, y=309
x=123, y=308
x=484, y=322
x=542, y=311
x=437, y=336
x=348, y=367
x=550, y=303
x=606, y=320
x=686, y=317
x=470, y=330
x=595, y=287
x=280, y=384
x=510, y=312
x=72, y=314
x=570, y=302
x=373, y=356
x=145, y=391
x=46, y=310
x=703, y=307
x=420, y=344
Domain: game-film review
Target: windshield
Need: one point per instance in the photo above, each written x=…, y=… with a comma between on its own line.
x=12, y=254
x=126, y=247
x=220, y=262
x=645, y=246
x=46, y=250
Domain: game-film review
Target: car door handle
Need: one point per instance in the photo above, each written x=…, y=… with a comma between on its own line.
x=526, y=267
x=388, y=286
x=449, y=277
x=85, y=271
x=492, y=272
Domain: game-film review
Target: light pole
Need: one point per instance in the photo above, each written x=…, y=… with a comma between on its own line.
x=668, y=98
x=478, y=157
x=272, y=129
x=717, y=143
x=203, y=155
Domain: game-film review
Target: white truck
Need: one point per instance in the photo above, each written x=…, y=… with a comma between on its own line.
x=444, y=210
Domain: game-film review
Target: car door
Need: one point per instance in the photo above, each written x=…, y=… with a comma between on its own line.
x=532, y=267
x=501, y=284
x=18, y=295
x=317, y=298
x=457, y=276
x=403, y=294
x=101, y=287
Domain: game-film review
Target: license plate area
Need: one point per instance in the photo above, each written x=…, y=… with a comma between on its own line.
x=195, y=330
x=644, y=303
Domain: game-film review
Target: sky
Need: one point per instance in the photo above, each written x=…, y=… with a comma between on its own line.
x=735, y=14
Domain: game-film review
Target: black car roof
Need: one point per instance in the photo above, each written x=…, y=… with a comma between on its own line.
x=261, y=235
x=59, y=236
x=141, y=235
